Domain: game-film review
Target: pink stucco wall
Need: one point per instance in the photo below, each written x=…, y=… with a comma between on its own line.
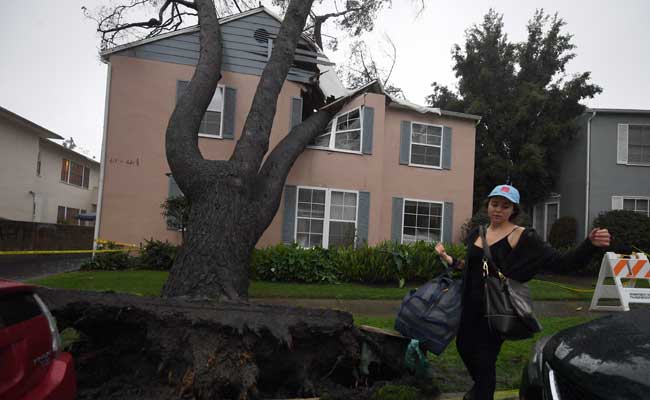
x=142, y=97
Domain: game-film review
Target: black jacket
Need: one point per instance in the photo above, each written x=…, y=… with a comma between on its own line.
x=532, y=254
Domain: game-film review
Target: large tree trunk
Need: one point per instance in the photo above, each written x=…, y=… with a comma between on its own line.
x=233, y=201
x=213, y=261
x=140, y=348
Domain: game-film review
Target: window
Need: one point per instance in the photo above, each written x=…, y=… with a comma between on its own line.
x=551, y=214
x=212, y=119
x=68, y=215
x=639, y=144
x=212, y=122
x=426, y=145
x=639, y=205
x=326, y=217
x=422, y=221
x=38, y=164
x=342, y=133
x=75, y=174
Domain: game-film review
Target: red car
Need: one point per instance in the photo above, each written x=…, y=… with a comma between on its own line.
x=32, y=366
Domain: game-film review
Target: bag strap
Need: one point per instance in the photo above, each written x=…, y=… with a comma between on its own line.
x=487, y=254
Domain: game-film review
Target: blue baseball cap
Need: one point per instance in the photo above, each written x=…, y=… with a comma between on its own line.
x=506, y=191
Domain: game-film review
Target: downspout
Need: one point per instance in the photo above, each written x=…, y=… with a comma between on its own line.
x=588, y=184
x=102, y=165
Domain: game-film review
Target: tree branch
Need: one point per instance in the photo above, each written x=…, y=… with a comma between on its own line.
x=273, y=173
x=183, y=154
x=254, y=142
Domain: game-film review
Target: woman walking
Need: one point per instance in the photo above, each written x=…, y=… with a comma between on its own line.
x=520, y=253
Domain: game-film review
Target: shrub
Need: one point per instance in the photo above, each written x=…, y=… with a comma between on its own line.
x=630, y=230
x=110, y=262
x=388, y=262
x=396, y=392
x=282, y=263
x=158, y=255
x=563, y=233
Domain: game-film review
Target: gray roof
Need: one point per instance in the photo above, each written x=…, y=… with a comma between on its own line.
x=39, y=130
x=70, y=151
x=375, y=86
x=195, y=28
x=618, y=111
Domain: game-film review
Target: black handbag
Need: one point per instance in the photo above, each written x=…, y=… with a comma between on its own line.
x=431, y=314
x=508, y=303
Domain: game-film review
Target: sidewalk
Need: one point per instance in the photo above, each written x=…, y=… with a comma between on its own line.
x=389, y=308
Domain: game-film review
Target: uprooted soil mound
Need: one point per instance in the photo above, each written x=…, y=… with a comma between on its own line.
x=132, y=347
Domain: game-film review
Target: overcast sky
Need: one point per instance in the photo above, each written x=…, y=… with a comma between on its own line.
x=50, y=71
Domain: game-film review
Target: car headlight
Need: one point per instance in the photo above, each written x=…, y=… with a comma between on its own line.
x=555, y=392
x=538, y=350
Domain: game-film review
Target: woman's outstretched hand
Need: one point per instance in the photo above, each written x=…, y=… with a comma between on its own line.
x=440, y=249
x=600, y=237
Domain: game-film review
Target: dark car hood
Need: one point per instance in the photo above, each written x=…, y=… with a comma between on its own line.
x=609, y=356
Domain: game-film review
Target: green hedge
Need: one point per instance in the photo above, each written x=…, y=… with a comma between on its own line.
x=387, y=262
x=563, y=233
x=630, y=232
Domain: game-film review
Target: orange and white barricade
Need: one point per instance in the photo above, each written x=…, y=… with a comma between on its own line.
x=624, y=270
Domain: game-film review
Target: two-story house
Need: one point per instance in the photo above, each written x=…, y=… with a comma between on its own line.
x=40, y=180
x=382, y=169
x=607, y=167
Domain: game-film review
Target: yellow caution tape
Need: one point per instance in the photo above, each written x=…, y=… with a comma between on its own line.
x=104, y=241
x=568, y=287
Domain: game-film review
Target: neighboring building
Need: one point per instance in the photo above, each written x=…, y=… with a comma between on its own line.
x=607, y=167
x=383, y=169
x=40, y=180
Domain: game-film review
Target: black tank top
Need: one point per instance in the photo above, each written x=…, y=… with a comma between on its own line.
x=474, y=285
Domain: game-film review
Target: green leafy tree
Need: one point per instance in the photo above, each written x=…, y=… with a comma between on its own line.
x=527, y=101
x=177, y=211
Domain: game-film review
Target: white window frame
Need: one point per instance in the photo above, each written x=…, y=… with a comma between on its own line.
x=223, y=102
x=636, y=198
x=442, y=216
x=326, y=218
x=331, y=147
x=628, y=148
x=411, y=143
x=83, y=175
x=547, y=229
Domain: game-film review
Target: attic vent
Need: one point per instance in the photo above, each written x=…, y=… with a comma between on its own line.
x=261, y=35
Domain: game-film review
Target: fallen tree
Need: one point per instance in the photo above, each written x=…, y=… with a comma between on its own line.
x=132, y=347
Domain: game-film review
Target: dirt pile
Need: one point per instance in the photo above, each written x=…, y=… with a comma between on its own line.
x=149, y=348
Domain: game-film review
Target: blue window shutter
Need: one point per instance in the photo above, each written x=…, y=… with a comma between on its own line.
x=448, y=222
x=229, y=101
x=174, y=190
x=368, y=125
x=446, y=147
x=181, y=87
x=396, y=222
x=363, y=218
x=296, y=111
x=289, y=218
x=405, y=142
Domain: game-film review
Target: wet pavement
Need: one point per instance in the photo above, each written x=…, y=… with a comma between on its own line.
x=389, y=308
x=32, y=266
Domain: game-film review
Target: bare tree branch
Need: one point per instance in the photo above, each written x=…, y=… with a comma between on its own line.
x=113, y=29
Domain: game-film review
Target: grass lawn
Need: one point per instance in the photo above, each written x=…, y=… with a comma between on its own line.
x=149, y=283
x=451, y=375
